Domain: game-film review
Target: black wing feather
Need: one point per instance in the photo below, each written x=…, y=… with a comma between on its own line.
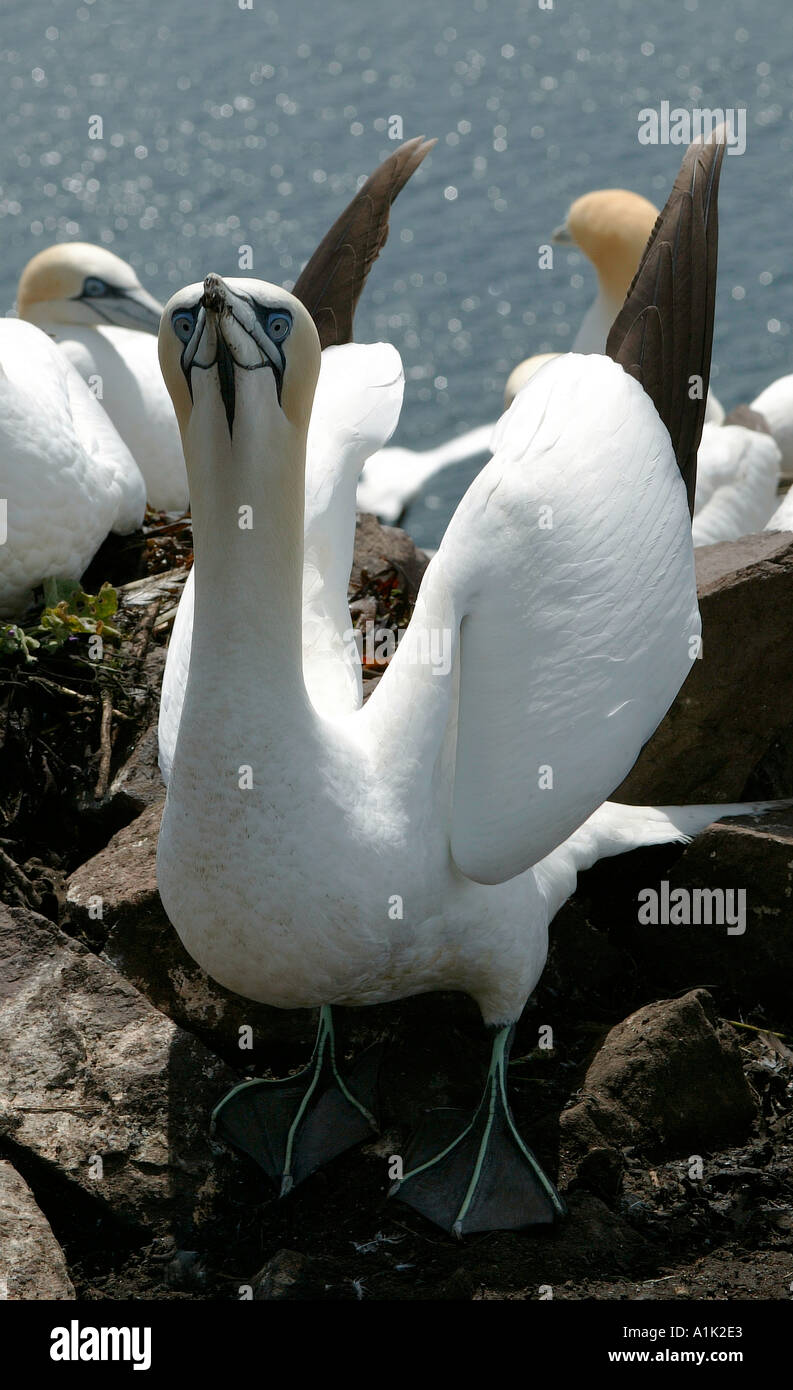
x=663, y=334
x=330, y=283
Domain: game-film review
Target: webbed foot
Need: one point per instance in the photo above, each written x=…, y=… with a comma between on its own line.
x=291, y=1127
x=478, y=1176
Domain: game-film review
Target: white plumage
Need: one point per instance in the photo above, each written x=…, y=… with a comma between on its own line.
x=135, y=398
x=92, y=303
x=67, y=477
x=737, y=477
x=566, y=646
x=775, y=403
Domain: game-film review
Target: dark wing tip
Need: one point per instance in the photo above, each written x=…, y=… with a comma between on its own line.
x=330, y=284
x=666, y=349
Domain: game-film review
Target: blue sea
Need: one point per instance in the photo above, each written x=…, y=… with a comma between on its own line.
x=225, y=126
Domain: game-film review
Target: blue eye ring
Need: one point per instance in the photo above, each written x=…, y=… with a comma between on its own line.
x=93, y=287
x=183, y=324
x=278, y=325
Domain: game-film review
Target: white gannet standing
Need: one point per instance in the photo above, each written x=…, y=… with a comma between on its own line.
x=91, y=302
x=272, y=808
x=66, y=477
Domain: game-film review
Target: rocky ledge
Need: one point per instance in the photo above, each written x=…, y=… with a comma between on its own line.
x=661, y=1096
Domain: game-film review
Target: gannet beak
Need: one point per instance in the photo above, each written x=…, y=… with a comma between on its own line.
x=240, y=340
x=561, y=235
x=127, y=309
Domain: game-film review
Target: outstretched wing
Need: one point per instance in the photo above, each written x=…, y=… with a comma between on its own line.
x=330, y=284
x=664, y=332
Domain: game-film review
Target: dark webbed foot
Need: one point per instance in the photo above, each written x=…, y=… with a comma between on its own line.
x=478, y=1176
x=292, y=1127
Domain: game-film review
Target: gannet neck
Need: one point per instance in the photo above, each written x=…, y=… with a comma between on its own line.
x=248, y=539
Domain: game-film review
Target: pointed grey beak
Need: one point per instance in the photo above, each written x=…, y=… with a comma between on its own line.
x=127, y=309
x=561, y=235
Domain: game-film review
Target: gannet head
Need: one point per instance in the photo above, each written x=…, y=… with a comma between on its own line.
x=243, y=347
x=523, y=373
x=611, y=226
x=78, y=283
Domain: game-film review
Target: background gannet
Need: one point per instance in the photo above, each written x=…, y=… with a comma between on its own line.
x=393, y=477
x=737, y=477
x=67, y=477
x=611, y=226
x=91, y=302
x=433, y=785
x=775, y=404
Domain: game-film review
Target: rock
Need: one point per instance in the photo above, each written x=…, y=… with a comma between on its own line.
x=139, y=941
x=377, y=546
x=591, y=1240
x=739, y=697
x=32, y=1264
x=122, y=878
x=90, y=1071
x=667, y=1078
x=753, y=856
x=289, y=1275
x=139, y=781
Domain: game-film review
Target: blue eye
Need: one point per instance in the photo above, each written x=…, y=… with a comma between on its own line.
x=183, y=323
x=93, y=287
x=278, y=325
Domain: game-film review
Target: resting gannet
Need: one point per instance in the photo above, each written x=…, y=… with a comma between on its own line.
x=775, y=404
x=92, y=304
x=66, y=478
x=432, y=785
x=737, y=477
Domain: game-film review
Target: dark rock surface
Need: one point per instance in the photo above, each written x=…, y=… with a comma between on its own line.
x=739, y=695
x=98, y=1085
x=32, y=1264
x=113, y=1042
x=749, y=856
x=667, y=1078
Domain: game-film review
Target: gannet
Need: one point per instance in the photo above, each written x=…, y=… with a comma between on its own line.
x=611, y=226
x=355, y=411
x=439, y=785
x=91, y=302
x=737, y=477
x=66, y=477
x=775, y=404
